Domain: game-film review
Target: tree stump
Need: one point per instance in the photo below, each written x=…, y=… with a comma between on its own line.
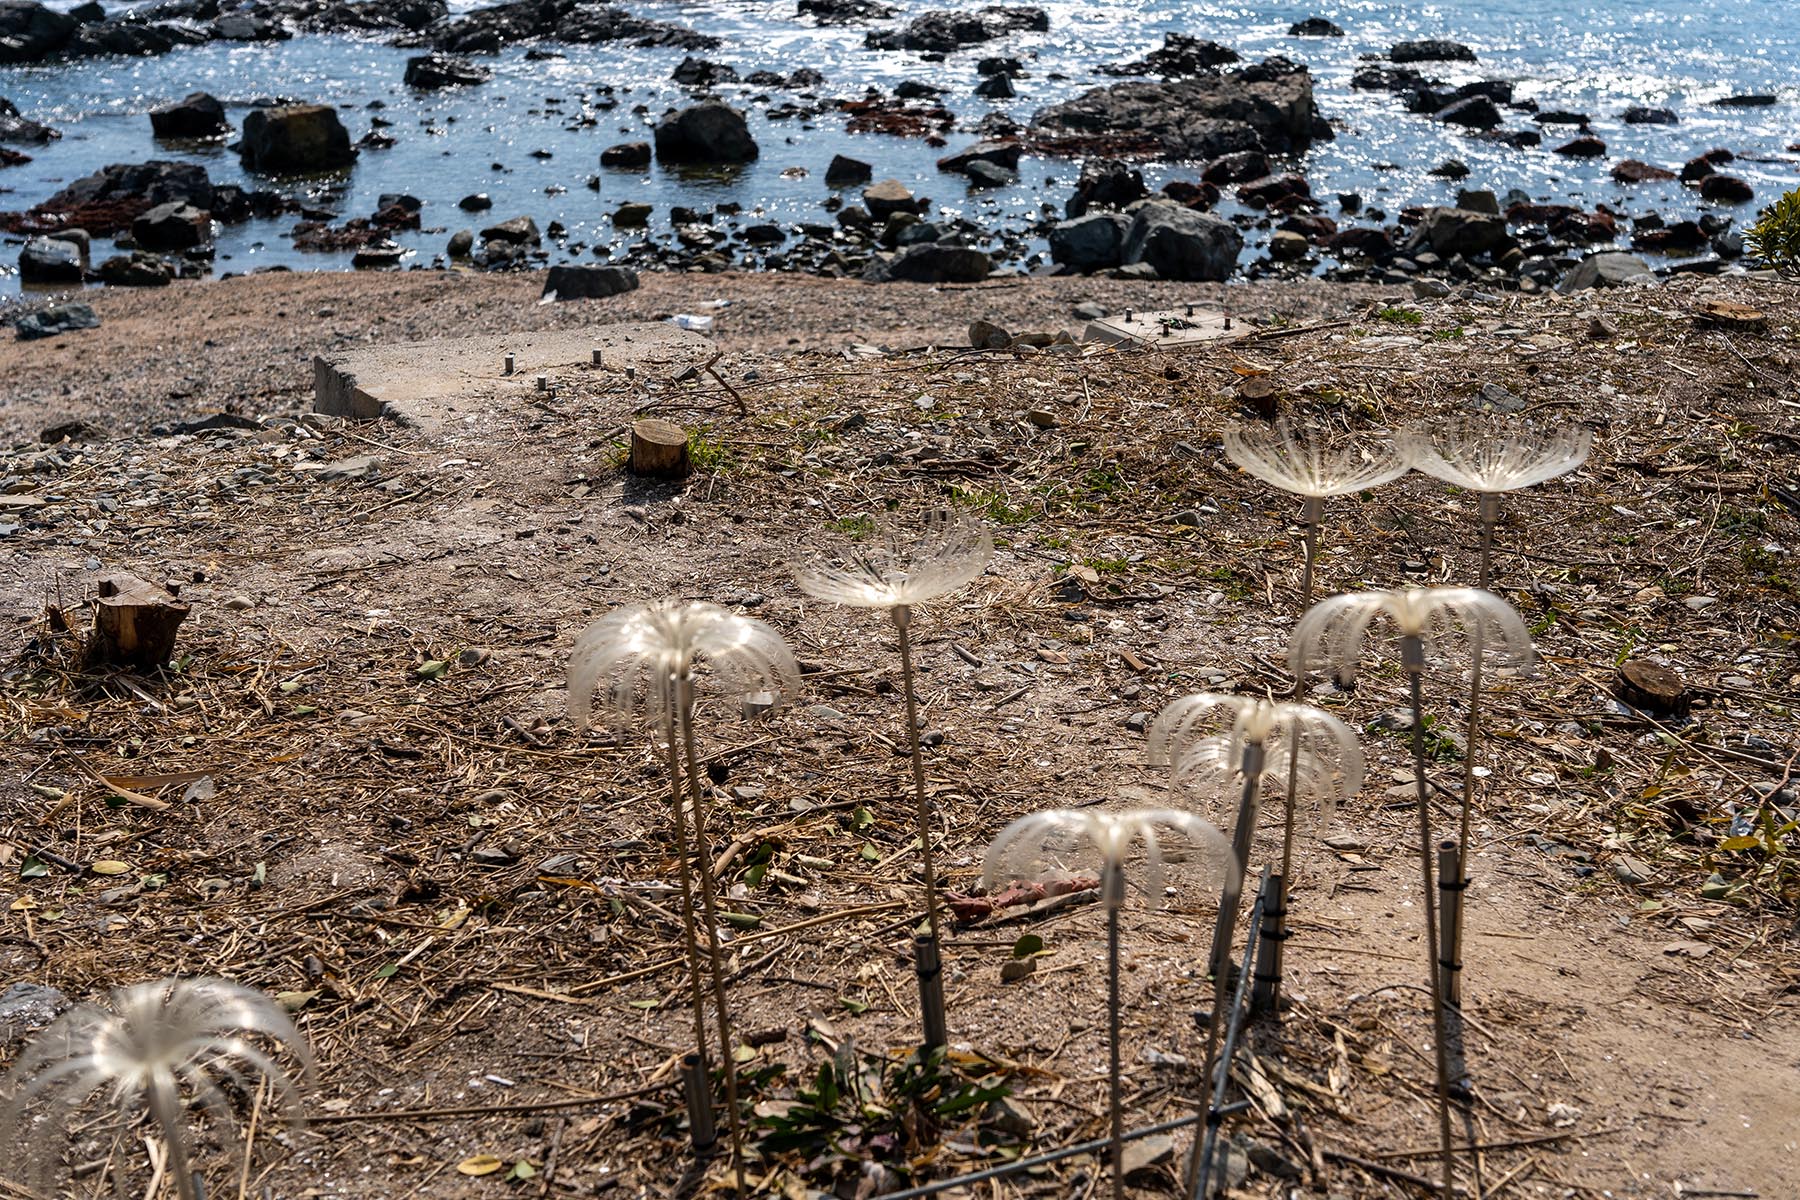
x=134, y=624
x=1731, y=316
x=659, y=448
x=1259, y=396
x=1652, y=688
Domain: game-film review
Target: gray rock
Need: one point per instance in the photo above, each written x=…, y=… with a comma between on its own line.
x=709, y=132
x=520, y=231
x=1472, y=112
x=589, y=282
x=1472, y=200
x=1000, y=153
x=360, y=467
x=26, y=1008
x=626, y=155
x=155, y=182
x=1450, y=231
x=996, y=87
x=933, y=262
x=985, y=335
x=1095, y=242
x=941, y=31
x=1145, y=1153
x=17, y=128
x=989, y=175
x=1182, y=244
x=475, y=202
x=56, y=320
x=888, y=197
x=1631, y=871
x=431, y=71
x=1137, y=722
x=1494, y=398
x=1254, y=108
x=197, y=116
x=632, y=215
x=1607, y=269
x=1088, y=310
x=847, y=172
x=172, y=226
x=295, y=139
x=136, y=269
x=50, y=260
x=1105, y=183
x=29, y=31
x=1288, y=246
x=461, y=244
x=1431, y=50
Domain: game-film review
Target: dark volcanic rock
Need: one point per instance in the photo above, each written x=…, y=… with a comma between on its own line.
x=1271, y=190
x=996, y=87
x=431, y=71
x=1361, y=241
x=1377, y=77
x=709, y=132
x=29, y=32
x=1639, y=115
x=1751, y=100
x=847, y=172
x=1191, y=118
x=1448, y=231
x=1181, y=55
x=694, y=72
x=1095, y=242
x=933, y=262
x=889, y=197
x=984, y=174
x=110, y=199
x=1105, y=183
x=845, y=12
x=197, y=116
x=486, y=30
x=1583, y=147
x=1430, y=50
x=1476, y=112
x=589, y=282
x=1236, y=168
x=1315, y=27
x=172, y=226
x=1179, y=243
x=626, y=154
x=295, y=139
x=16, y=128
x=1633, y=171
x=942, y=30
x=518, y=231
x=1727, y=189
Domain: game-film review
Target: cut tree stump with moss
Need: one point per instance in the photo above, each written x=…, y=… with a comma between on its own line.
x=135, y=623
x=659, y=448
x=1652, y=688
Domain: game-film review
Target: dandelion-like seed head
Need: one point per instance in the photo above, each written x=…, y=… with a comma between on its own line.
x=1330, y=636
x=901, y=564
x=162, y=1047
x=1484, y=456
x=634, y=655
x=1313, y=462
x=1209, y=773
x=1059, y=842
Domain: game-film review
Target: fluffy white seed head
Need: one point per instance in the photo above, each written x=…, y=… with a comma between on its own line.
x=1331, y=636
x=1142, y=844
x=1313, y=462
x=1485, y=456
x=632, y=657
x=901, y=564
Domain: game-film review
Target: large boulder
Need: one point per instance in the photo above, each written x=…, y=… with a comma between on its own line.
x=431, y=71
x=847, y=172
x=1607, y=269
x=890, y=196
x=1473, y=112
x=54, y=321
x=933, y=262
x=709, y=132
x=107, y=201
x=1003, y=153
x=1450, y=231
x=1315, y=27
x=15, y=127
x=1181, y=55
x=295, y=139
x=197, y=116
x=29, y=32
x=51, y=260
x=135, y=38
x=1267, y=107
x=1727, y=189
x=517, y=231
x=941, y=31
x=582, y=282
x=1179, y=243
x=1095, y=242
x=172, y=226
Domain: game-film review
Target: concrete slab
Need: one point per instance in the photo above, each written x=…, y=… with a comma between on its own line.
x=1168, y=328
x=433, y=383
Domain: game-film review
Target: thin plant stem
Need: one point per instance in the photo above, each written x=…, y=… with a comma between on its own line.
x=902, y=616
x=684, y=710
x=1312, y=514
x=682, y=852
x=1490, y=512
x=1115, y=890
x=1228, y=907
x=1412, y=659
x=165, y=1107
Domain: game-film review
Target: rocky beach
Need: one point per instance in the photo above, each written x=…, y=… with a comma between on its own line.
x=975, y=144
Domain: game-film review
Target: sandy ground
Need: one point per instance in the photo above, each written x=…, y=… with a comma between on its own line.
x=247, y=343
x=462, y=891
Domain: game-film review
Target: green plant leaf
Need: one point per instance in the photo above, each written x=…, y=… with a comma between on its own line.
x=33, y=867
x=1029, y=945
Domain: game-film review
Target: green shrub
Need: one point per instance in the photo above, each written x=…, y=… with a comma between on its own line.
x=1775, y=238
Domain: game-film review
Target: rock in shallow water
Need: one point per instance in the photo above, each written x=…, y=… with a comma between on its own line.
x=295, y=139
x=710, y=132
x=55, y=320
